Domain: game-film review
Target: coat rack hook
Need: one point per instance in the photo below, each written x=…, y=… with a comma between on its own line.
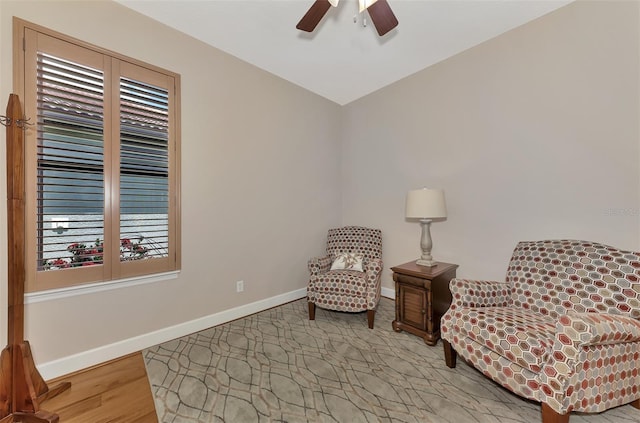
x=24, y=122
x=20, y=123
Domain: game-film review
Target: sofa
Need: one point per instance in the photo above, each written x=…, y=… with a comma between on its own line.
x=563, y=329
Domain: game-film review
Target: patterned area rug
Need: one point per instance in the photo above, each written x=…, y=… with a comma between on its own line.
x=277, y=366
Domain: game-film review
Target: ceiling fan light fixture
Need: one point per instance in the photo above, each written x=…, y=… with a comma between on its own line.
x=364, y=4
x=381, y=14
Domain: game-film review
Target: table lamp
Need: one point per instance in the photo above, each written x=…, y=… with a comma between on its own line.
x=426, y=204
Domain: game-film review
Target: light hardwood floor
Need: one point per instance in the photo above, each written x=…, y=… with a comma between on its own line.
x=115, y=392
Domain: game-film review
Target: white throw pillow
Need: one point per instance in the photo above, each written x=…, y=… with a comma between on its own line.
x=348, y=261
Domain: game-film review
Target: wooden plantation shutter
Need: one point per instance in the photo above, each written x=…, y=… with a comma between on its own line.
x=67, y=162
x=101, y=165
x=146, y=206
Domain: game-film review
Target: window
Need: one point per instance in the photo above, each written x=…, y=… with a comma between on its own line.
x=102, y=170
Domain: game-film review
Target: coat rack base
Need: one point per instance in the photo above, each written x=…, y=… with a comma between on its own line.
x=20, y=401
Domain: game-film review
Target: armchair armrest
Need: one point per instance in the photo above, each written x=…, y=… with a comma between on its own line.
x=475, y=293
x=583, y=329
x=318, y=265
x=373, y=271
x=581, y=339
x=373, y=268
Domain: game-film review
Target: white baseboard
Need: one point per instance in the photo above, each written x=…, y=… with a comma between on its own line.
x=85, y=359
x=388, y=292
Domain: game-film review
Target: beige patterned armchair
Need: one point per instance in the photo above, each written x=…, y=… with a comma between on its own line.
x=347, y=278
x=564, y=329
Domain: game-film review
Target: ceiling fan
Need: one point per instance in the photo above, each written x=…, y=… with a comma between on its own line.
x=381, y=14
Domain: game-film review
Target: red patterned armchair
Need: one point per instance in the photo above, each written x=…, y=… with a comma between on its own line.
x=564, y=330
x=347, y=278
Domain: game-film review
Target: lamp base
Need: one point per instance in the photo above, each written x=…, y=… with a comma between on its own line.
x=426, y=263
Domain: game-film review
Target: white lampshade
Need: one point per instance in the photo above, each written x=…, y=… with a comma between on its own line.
x=426, y=204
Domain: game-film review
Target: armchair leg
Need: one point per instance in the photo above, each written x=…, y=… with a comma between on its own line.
x=312, y=311
x=549, y=415
x=449, y=354
x=371, y=314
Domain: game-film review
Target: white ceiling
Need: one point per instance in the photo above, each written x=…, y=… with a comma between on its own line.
x=342, y=60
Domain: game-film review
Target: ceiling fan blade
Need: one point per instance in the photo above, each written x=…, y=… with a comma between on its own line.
x=382, y=16
x=314, y=15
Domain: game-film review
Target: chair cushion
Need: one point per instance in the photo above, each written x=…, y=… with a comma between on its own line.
x=344, y=282
x=521, y=336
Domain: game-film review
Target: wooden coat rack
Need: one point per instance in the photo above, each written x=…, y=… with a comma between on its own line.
x=22, y=388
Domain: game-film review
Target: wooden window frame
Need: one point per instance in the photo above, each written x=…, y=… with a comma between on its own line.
x=115, y=66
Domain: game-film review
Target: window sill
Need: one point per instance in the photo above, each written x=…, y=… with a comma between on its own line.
x=56, y=294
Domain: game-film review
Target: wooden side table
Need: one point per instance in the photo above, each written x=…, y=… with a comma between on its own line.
x=422, y=297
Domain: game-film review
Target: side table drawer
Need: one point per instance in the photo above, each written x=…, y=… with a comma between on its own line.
x=412, y=280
